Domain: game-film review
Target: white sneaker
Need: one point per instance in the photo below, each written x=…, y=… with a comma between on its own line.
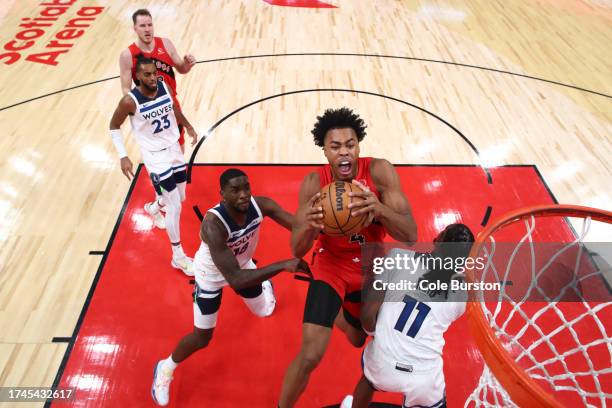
x=184, y=263
x=160, y=390
x=158, y=219
x=347, y=402
x=268, y=292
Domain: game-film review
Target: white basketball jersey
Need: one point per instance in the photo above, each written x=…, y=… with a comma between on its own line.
x=412, y=329
x=154, y=124
x=242, y=240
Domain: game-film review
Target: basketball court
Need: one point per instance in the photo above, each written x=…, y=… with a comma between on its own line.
x=483, y=107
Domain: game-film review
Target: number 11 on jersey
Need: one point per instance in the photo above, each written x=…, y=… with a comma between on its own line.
x=409, y=306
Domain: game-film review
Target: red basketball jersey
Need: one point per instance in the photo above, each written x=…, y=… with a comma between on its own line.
x=162, y=60
x=375, y=232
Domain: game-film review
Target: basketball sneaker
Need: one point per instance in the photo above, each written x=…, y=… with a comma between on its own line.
x=184, y=263
x=160, y=390
x=158, y=219
x=347, y=402
x=268, y=292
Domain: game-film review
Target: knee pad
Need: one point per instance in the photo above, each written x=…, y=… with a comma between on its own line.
x=172, y=200
x=206, y=305
x=262, y=304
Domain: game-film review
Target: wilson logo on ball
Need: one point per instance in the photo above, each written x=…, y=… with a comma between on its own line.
x=340, y=190
x=337, y=217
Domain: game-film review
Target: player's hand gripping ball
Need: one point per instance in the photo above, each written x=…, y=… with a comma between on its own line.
x=337, y=217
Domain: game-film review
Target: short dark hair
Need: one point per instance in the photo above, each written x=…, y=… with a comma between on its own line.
x=337, y=119
x=142, y=60
x=229, y=174
x=455, y=242
x=140, y=12
x=458, y=233
x=461, y=238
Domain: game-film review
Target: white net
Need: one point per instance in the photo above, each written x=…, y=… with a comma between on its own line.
x=550, y=316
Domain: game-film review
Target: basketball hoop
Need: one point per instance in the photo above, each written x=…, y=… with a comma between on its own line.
x=526, y=363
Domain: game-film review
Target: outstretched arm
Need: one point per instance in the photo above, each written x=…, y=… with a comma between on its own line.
x=270, y=208
x=307, y=221
x=393, y=209
x=215, y=235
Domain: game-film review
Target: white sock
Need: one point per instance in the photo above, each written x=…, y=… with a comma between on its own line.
x=177, y=251
x=169, y=364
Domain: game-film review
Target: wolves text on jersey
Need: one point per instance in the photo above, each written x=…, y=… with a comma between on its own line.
x=157, y=112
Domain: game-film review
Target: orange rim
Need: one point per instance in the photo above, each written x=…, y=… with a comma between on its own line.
x=523, y=390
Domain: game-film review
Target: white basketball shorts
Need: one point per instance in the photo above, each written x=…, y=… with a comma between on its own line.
x=164, y=163
x=421, y=382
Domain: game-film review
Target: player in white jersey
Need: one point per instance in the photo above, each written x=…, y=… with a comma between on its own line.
x=155, y=120
x=229, y=233
x=408, y=326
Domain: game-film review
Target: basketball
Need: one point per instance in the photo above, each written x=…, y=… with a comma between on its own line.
x=337, y=216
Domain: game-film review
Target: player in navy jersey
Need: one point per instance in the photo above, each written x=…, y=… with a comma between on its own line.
x=155, y=119
x=229, y=233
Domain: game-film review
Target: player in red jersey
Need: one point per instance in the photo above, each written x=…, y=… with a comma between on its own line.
x=336, y=268
x=166, y=58
x=160, y=50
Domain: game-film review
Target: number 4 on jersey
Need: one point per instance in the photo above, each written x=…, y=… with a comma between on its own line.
x=407, y=311
x=357, y=238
